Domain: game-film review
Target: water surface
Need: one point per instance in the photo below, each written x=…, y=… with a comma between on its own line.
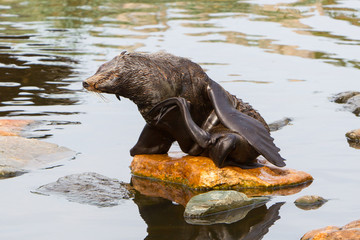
x=285, y=57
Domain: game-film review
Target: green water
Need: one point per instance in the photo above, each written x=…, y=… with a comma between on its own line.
x=285, y=57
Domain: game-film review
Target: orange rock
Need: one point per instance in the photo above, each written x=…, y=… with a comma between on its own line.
x=201, y=173
x=11, y=127
x=349, y=231
x=182, y=194
x=173, y=192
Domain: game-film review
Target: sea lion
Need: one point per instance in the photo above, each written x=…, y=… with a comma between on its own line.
x=179, y=102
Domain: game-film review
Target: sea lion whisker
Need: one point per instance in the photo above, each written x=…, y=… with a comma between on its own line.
x=101, y=96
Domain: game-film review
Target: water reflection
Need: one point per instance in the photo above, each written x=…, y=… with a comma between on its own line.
x=28, y=83
x=165, y=221
x=40, y=51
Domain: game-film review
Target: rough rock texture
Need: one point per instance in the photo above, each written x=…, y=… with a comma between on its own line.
x=349, y=231
x=350, y=99
x=310, y=202
x=214, y=202
x=201, y=173
x=10, y=127
x=89, y=188
x=18, y=155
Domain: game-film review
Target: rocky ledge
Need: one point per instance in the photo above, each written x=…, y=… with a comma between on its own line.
x=201, y=173
x=349, y=231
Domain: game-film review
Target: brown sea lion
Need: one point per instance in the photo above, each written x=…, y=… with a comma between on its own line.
x=179, y=102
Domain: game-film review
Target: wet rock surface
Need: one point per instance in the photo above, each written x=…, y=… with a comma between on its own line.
x=19, y=155
x=202, y=208
x=310, y=202
x=89, y=188
x=201, y=173
x=349, y=231
x=350, y=99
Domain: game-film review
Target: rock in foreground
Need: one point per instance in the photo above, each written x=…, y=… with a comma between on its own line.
x=89, y=188
x=215, y=202
x=20, y=154
x=201, y=173
x=349, y=231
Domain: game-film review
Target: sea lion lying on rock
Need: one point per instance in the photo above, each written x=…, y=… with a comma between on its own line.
x=179, y=102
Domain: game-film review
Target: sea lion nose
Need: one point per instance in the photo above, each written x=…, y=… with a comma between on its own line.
x=85, y=84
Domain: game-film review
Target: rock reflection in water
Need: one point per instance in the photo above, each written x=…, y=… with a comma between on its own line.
x=165, y=221
x=181, y=194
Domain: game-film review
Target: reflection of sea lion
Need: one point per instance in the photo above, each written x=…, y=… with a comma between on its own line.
x=173, y=94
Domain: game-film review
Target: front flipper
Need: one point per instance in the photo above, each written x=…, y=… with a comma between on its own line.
x=197, y=134
x=251, y=129
x=152, y=141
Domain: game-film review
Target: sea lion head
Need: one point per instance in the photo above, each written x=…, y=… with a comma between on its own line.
x=147, y=79
x=116, y=76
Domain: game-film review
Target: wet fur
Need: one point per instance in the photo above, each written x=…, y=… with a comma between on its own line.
x=149, y=80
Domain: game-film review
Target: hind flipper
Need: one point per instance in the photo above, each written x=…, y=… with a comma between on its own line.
x=251, y=129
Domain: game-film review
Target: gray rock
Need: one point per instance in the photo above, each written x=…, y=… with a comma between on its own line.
x=310, y=202
x=343, y=97
x=89, y=188
x=353, y=104
x=350, y=99
x=19, y=155
x=220, y=207
x=277, y=125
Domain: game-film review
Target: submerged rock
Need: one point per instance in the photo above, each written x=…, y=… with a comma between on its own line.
x=201, y=173
x=277, y=125
x=214, y=202
x=89, y=188
x=349, y=231
x=350, y=99
x=310, y=202
x=19, y=155
x=13, y=127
